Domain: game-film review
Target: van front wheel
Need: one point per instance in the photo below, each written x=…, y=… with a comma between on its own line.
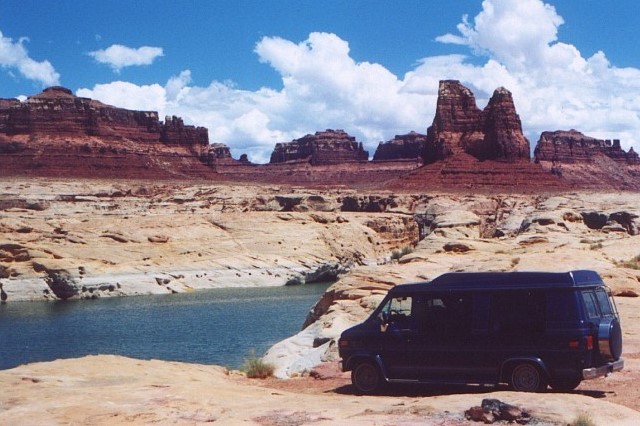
x=366, y=377
x=527, y=377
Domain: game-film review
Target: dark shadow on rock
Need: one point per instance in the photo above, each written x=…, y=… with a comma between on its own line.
x=423, y=390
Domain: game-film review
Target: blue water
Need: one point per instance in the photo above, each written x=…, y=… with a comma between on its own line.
x=222, y=326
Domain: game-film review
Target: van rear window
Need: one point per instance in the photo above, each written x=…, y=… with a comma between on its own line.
x=590, y=304
x=603, y=302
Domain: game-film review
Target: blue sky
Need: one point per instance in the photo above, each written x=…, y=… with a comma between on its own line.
x=261, y=72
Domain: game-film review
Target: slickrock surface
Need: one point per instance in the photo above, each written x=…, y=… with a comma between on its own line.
x=111, y=390
x=60, y=239
x=482, y=233
x=90, y=238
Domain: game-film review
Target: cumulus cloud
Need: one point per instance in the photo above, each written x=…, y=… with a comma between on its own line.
x=128, y=95
x=554, y=86
x=14, y=55
x=118, y=56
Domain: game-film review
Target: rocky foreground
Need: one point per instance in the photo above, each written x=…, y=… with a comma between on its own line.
x=62, y=239
x=110, y=390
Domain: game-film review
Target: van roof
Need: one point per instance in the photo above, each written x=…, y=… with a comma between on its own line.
x=503, y=281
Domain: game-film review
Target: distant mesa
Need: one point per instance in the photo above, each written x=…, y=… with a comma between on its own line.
x=402, y=147
x=574, y=147
x=57, y=112
x=56, y=133
x=322, y=148
x=588, y=162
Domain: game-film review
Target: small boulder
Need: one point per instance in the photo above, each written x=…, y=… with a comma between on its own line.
x=627, y=293
x=158, y=239
x=457, y=247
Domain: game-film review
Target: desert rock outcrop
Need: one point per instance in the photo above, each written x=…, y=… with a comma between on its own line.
x=587, y=161
x=57, y=133
x=494, y=133
x=402, y=147
x=321, y=148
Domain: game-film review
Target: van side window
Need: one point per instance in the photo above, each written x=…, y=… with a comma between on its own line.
x=561, y=305
x=590, y=304
x=518, y=312
x=448, y=315
x=397, y=313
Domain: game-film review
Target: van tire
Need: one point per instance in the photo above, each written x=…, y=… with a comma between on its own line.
x=366, y=378
x=527, y=377
x=610, y=339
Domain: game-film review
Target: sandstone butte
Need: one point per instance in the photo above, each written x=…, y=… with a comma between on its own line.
x=55, y=133
x=158, y=230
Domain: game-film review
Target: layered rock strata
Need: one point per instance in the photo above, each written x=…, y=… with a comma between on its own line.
x=459, y=126
x=57, y=112
x=588, y=161
x=574, y=147
x=79, y=239
x=57, y=133
x=402, y=147
x=321, y=148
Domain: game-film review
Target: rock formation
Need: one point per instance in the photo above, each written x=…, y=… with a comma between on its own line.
x=403, y=147
x=57, y=133
x=574, y=147
x=219, y=153
x=57, y=112
x=459, y=126
x=588, y=161
x=322, y=148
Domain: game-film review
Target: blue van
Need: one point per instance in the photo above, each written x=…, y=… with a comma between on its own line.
x=526, y=329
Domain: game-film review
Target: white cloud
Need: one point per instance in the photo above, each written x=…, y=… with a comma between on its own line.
x=128, y=95
x=118, y=56
x=14, y=55
x=554, y=87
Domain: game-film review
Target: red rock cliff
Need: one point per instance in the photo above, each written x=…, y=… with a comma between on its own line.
x=574, y=147
x=321, y=148
x=57, y=112
x=402, y=147
x=57, y=133
x=459, y=126
x=588, y=161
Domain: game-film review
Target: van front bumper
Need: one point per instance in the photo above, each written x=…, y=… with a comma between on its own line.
x=603, y=370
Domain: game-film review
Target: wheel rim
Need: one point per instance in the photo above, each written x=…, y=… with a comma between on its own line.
x=366, y=378
x=525, y=377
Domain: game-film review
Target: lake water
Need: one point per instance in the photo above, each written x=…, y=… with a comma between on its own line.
x=221, y=326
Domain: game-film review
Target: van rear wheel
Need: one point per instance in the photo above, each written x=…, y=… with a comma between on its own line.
x=366, y=377
x=527, y=377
